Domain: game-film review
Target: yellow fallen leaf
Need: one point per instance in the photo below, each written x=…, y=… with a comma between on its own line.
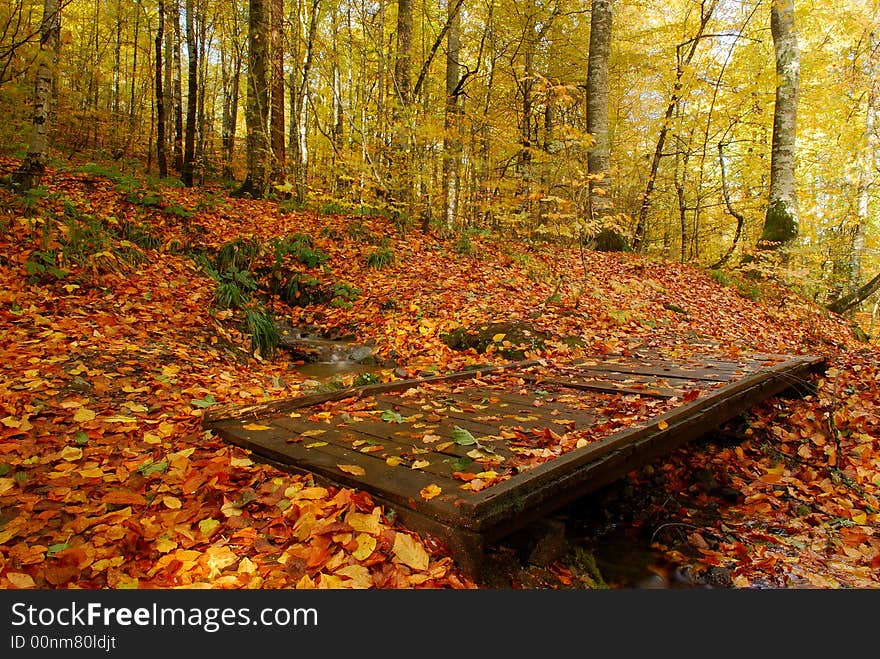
x=312, y=433
x=20, y=580
x=164, y=545
x=498, y=337
x=240, y=462
x=358, y=577
x=255, y=426
x=172, y=502
x=430, y=491
x=662, y=425
x=316, y=444
x=94, y=472
x=410, y=552
x=354, y=470
x=208, y=525
x=366, y=546
x=70, y=453
x=859, y=517
x=6, y=484
x=83, y=414
x=420, y=464
x=365, y=523
x=152, y=438
x=393, y=460
x=581, y=443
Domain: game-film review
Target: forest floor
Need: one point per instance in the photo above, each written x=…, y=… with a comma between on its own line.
x=113, y=345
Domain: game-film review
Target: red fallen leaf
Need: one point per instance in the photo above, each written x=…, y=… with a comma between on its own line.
x=690, y=395
x=61, y=574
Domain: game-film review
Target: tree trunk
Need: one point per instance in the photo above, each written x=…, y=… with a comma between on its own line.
x=276, y=129
x=682, y=64
x=256, y=184
x=599, y=158
x=868, y=162
x=401, y=175
x=452, y=140
x=176, y=85
x=231, y=71
x=32, y=168
x=847, y=302
x=161, y=156
x=781, y=220
x=192, y=91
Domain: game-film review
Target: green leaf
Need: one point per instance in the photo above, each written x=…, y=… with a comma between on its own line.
x=462, y=437
x=460, y=464
x=4, y=469
x=80, y=438
x=392, y=416
x=150, y=467
x=54, y=549
x=20, y=476
x=207, y=401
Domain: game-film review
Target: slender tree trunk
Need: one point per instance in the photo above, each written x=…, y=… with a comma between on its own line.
x=32, y=168
x=192, y=91
x=299, y=100
x=276, y=129
x=868, y=163
x=401, y=175
x=161, y=156
x=176, y=85
x=231, y=70
x=452, y=139
x=740, y=218
x=682, y=64
x=257, y=111
x=599, y=158
x=781, y=220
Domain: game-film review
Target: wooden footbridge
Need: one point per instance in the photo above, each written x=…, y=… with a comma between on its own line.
x=472, y=456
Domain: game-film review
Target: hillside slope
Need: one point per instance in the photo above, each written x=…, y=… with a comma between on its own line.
x=113, y=345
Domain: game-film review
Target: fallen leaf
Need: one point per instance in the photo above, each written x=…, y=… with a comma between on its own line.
x=354, y=470
x=255, y=426
x=83, y=414
x=366, y=544
x=430, y=491
x=410, y=552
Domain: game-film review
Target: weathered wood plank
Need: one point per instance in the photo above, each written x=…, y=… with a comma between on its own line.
x=554, y=483
x=256, y=412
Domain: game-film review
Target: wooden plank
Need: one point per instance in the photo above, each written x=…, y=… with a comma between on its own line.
x=384, y=433
x=400, y=486
x=258, y=411
x=560, y=481
x=659, y=370
x=610, y=387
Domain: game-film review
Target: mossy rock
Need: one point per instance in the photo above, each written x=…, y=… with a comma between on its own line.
x=609, y=240
x=512, y=340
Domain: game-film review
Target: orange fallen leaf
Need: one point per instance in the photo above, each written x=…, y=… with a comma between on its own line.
x=354, y=470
